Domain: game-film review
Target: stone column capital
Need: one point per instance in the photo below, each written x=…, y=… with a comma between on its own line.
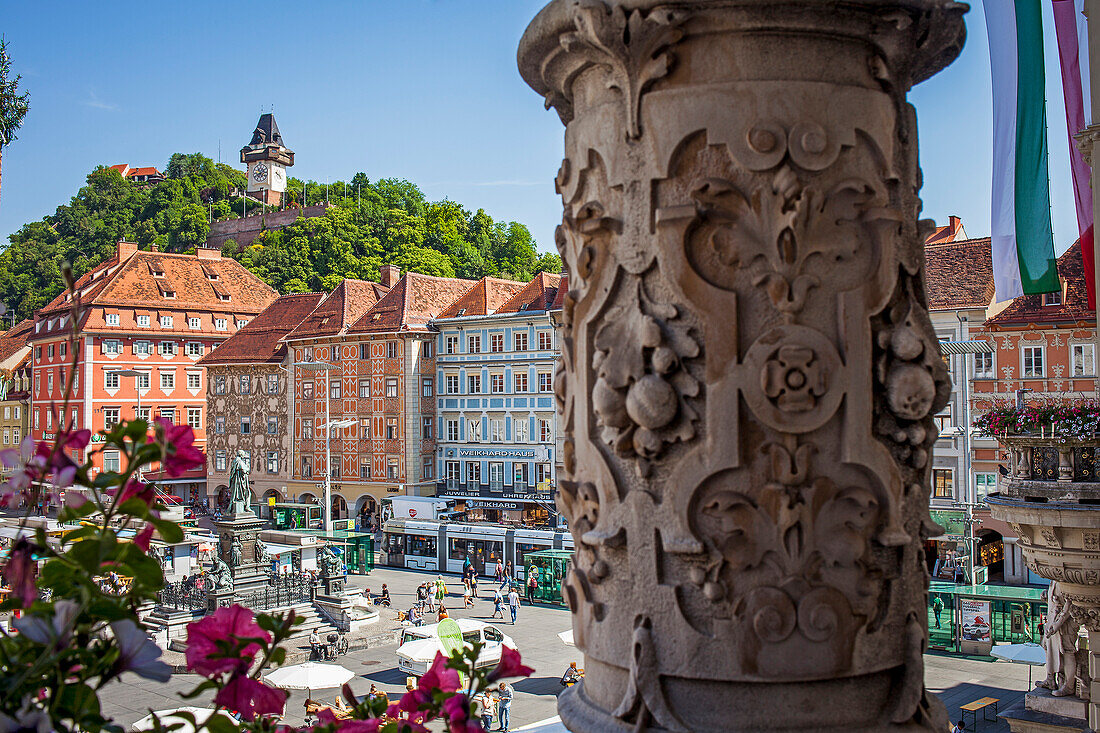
x=1086, y=140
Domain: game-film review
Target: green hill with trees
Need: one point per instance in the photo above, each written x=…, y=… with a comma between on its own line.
x=388, y=221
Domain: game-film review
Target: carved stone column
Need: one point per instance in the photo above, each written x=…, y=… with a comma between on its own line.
x=749, y=373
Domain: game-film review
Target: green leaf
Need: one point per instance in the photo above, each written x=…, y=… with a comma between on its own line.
x=88, y=530
x=87, y=554
x=221, y=724
x=146, y=570
x=278, y=656
x=134, y=507
x=169, y=531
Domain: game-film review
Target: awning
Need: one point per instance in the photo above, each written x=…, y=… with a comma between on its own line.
x=275, y=549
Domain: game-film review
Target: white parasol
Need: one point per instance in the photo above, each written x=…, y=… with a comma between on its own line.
x=167, y=717
x=1030, y=654
x=309, y=676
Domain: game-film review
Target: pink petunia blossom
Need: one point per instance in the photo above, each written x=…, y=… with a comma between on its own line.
x=457, y=710
x=371, y=725
x=228, y=625
x=440, y=677
x=76, y=439
x=19, y=572
x=135, y=489
x=179, y=453
x=510, y=665
x=250, y=697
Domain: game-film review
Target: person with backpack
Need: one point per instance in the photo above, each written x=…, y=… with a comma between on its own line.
x=532, y=584
x=498, y=604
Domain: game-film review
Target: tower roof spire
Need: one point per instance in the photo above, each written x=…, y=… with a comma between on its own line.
x=266, y=131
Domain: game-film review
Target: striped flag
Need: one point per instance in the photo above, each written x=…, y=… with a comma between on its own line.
x=1071, y=29
x=1022, y=238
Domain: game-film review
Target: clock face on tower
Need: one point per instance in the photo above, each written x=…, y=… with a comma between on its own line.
x=259, y=173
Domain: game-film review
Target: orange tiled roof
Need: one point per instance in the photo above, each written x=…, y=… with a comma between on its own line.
x=536, y=295
x=485, y=297
x=261, y=339
x=339, y=309
x=559, y=296
x=1075, y=303
x=133, y=283
x=952, y=231
x=411, y=303
x=959, y=274
x=14, y=339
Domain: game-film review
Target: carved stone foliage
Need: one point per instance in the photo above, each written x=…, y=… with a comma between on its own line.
x=749, y=373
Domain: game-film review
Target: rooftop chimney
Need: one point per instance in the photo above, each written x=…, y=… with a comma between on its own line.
x=208, y=253
x=126, y=250
x=390, y=275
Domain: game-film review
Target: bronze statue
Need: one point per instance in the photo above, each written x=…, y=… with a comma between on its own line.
x=239, y=494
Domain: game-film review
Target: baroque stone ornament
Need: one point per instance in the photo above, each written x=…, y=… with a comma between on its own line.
x=748, y=371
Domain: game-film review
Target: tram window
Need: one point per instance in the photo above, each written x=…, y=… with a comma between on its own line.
x=394, y=543
x=458, y=549
x=421, y=546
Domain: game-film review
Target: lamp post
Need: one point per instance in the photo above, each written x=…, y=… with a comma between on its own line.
x=136, y=373
x=962, y=348
x=323, y=366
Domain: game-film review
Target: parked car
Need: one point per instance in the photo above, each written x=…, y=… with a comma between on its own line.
x=419, y=645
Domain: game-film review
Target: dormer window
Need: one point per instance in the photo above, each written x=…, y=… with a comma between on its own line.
x=112, y=319
x=224, y=297
x=194, y=322
x=166, y=321
x=143, y=321
x=168, y=293
x=155, y=271
x=1054, y=298
x=221, y=324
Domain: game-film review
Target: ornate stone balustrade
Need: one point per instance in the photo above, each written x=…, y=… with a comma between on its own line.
x=1051, y=499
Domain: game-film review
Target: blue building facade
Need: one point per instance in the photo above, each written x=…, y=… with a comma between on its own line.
x=497, y=426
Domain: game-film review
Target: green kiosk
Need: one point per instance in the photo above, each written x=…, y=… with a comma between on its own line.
x=551, y=566
x=356, y=548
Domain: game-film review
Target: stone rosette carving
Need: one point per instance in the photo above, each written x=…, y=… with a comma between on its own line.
x=749, y=373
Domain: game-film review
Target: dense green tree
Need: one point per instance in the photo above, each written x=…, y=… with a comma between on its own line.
x=366, y=225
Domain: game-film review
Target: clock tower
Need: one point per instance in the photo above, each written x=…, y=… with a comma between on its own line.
x=267, y=160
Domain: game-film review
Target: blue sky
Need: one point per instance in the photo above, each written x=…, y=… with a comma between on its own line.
x=416, y=89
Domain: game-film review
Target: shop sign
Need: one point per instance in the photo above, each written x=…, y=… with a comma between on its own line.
x=490, y=504
x=953, y=523
x=975, y=620
x=537, y=453
x=392, y=489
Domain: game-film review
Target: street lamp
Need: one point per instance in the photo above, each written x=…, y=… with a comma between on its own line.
x=137, y=388
x=962, y=348
x=322, y=366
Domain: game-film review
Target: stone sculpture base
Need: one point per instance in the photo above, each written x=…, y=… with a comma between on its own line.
x=1041, y=712
x=251, y=575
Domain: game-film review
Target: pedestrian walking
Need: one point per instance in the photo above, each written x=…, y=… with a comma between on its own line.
x=440, y=590
x=504, y=694
x=473, y=585
x=485, y=709
x=421, y=595
x=532, y=584
x=498, y=604
x=500, y=572
x=513, y=603
x=937, y=609
x=467, y=599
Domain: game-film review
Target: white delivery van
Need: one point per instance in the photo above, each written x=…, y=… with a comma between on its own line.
x=420, y=644
x=427, y=508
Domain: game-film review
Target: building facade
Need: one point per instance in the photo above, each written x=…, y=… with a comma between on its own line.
x=365, y=358
x=146, y=318
x=497, y=422
x=15, y=385
x=248, y=401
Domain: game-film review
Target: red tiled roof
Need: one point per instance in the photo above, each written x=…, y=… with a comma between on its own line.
x=949, y=232
x=959, y=274
x=1075, y=300
x=14, y=339
x=149, y=171
x=339, y=309
x=260, y=341
x=411, y=303
x=132, y=284
x=536, y=295
x=559, y=296
x=485, y=297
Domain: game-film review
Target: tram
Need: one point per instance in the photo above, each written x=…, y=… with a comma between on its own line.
x=443, y=546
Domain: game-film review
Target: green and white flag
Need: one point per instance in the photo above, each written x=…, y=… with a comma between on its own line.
x=1022, y=240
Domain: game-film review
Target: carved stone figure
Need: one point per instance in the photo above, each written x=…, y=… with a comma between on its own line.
x=221, y=576
x=240, y=496
x=1060, y=643
x=748, y=372
x=331, y=564
x=262, y=555
x=236, y=557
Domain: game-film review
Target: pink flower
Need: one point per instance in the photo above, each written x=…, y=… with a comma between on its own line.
x=250, y=698
x=360, y=726
x=19, y=572
x=510, y=666
x=457, y=710
x=439, y=677
x=142, y=538
x=77, y=439
x=135, y=489
x=179, y=453
x=410, y=702
x=228, y=625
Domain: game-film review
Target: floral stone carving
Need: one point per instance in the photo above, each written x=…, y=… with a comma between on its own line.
x=749, y=374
